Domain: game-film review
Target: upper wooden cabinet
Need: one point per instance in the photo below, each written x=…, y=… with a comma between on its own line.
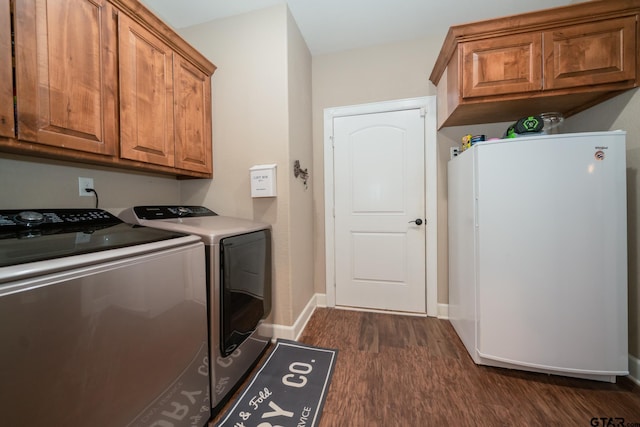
x=66, y=75
x=565, y=59
x=165, y=103
x=591, y=54
x=502, y=65
x=146, y=96
x=103, y=82
x=192, y=109
x=7, y=117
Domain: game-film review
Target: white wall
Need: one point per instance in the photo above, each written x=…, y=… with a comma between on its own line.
x=28, y=182
x=261, y=96
x=249, y=108
x=301, y=229
x=380, y=73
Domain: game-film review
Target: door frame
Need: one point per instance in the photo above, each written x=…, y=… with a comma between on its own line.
x=428, y=106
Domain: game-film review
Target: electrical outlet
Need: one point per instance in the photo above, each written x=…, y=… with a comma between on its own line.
x=84, y=183
x=454, y=152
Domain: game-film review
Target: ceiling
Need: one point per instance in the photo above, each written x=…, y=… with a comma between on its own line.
x=335, y=25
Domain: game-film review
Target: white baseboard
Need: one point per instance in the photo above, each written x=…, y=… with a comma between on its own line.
x=293, y=332
x=373, y=310
x=443, y=311
x=634, y=369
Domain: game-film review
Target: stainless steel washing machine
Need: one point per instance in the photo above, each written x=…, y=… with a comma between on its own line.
x=239, y=275
x=102, y=323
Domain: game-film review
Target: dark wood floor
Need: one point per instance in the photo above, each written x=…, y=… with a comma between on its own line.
x=410, y=371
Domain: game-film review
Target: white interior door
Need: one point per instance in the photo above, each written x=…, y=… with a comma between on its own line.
x=379, y=203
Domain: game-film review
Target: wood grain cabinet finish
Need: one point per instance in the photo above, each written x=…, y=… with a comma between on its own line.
x=192, y=108
x=590, y=54
x=165, y=103
x=7, y=120
x=103, y=82
x=165, y=100
x=66, y=74
x=146, y=96
x=502, y=65
x=564, y=59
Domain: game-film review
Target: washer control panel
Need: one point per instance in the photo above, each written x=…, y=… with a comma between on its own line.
x=25, y=219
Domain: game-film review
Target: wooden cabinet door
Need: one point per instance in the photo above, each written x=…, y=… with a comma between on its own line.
x=7, y=122
x=192, y=95
x=66, y=74
x=146, y=95
x=502, y=65
x=594, y=53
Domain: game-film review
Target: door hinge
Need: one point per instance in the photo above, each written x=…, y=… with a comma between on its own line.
x=333, y=141
x=423, y=111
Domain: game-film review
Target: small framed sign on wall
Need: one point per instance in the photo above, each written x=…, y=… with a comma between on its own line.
x=263, y=180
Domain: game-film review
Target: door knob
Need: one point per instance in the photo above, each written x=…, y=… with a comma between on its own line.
x=417, y=221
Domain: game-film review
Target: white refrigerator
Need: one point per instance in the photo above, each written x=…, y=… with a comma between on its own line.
x=538, y=253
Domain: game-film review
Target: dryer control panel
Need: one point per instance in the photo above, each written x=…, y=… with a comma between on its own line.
x=167, y=212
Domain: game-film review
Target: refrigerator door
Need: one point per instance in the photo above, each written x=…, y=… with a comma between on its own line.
x=552, y=253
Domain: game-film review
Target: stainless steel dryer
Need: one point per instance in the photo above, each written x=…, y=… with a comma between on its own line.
x=238, y=262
